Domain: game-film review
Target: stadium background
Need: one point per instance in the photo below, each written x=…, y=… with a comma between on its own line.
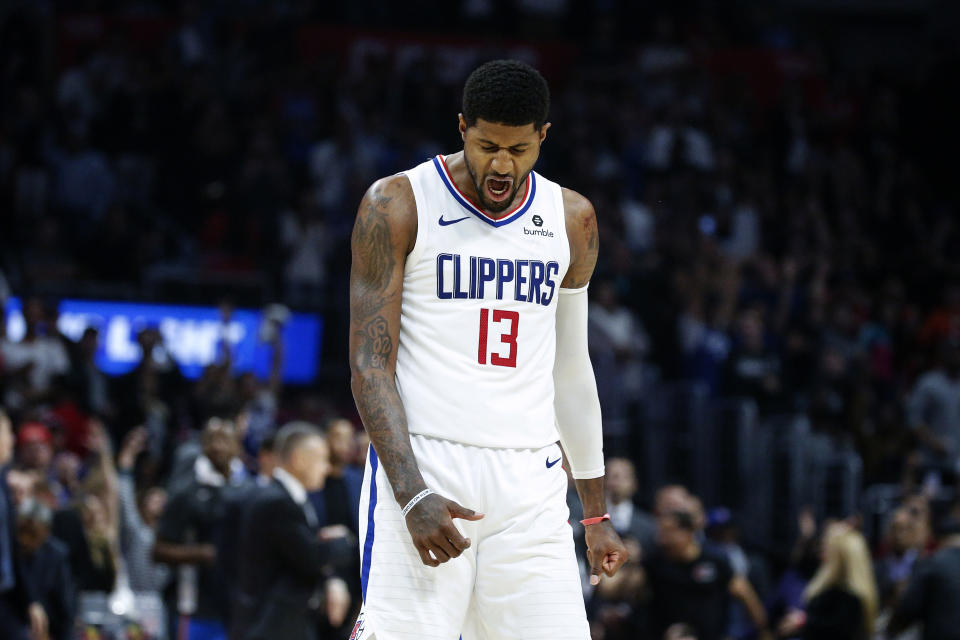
x=775, y=189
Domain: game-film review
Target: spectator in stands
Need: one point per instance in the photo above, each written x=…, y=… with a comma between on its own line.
x=88, y=526
x=282, y=560
x=65, y=485
x=363, y=447
x=693, y=585
x=626, y=515
x=187, y=533
x=704, y=339
x=341, y=492
x=152, y=394
x=35, y=448
x=46, y=566
x=33, y=364
x=20, y=611
x=883, y=442
x=305, y=241
x=934, y=590
x=187, y=453
x=139, y=515
x=91, y=386
x=904, y=544
x=266, y=460
x=754, y=369
x=84, y=182
x=671, y=498
x=934, y=411
x=617, y=345
x=260, y=402
x=787, y=597
x=338, y=502
x=841, y=599
x=723, y=535
x=260, y=399
x=920, y=510
x=22, y=485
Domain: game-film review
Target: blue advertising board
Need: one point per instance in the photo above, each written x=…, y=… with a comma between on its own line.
x=193, y=336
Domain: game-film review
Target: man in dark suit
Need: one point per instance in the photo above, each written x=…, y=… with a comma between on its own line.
x=20, y=614
x=281, y=560
x=627, y=518
x=46, y=566
x=932, y=595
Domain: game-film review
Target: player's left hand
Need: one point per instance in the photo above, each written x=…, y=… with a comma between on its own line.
x=605, y=551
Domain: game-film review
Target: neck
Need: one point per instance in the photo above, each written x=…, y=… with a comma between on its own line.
x=293, y=473
x=457, y=164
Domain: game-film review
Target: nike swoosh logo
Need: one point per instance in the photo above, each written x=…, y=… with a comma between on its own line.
x=550, y=464
x=444, y=223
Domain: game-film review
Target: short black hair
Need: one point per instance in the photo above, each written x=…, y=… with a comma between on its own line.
x=506, y=92
x=292, y=435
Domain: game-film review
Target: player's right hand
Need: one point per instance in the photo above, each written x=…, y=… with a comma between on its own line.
x=434, y=535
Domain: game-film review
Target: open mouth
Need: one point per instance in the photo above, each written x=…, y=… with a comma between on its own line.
x=498, y=189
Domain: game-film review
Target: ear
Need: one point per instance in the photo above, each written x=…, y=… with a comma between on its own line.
x=543, y=131
x=463, y=126
x=296, y=458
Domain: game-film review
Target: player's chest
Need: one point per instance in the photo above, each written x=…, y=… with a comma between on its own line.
x=523, y=262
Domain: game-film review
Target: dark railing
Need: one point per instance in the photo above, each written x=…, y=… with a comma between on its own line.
x=764, y=468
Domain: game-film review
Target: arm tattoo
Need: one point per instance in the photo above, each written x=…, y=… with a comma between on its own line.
x=593, y=241
x=581, y=269
x=385, y=422
x=373, y=243
x=375, y=345
x=373, y=298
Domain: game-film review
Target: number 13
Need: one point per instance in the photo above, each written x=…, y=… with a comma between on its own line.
x=509, y=338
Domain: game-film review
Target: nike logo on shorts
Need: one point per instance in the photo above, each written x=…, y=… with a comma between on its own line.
x=444, y=223
x=550, y=464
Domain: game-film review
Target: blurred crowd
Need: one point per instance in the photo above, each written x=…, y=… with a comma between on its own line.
x=691, y=577
x=165, y=527
x=777, y=221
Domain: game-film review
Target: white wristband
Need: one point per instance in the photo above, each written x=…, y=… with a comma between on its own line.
x=414, y=500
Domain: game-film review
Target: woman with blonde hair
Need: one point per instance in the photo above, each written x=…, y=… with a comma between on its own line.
x=842, y=596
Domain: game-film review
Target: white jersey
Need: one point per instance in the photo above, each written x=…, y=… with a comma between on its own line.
x=478, y=318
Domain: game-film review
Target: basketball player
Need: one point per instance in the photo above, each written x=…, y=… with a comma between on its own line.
x=468, y=343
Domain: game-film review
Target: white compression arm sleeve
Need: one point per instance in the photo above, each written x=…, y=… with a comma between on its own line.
x=576, y=401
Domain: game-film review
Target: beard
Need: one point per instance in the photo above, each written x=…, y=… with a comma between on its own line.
x=485, y=202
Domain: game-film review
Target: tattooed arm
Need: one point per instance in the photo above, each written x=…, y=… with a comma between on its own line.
x=583, y=237
x=576, y=400
x=383, y=234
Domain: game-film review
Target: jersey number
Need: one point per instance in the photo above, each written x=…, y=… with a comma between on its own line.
x=509, y=338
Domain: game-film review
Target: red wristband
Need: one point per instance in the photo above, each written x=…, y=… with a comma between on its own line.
x=589, y=521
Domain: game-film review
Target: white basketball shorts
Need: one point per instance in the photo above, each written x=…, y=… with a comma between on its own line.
x=518, y=579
